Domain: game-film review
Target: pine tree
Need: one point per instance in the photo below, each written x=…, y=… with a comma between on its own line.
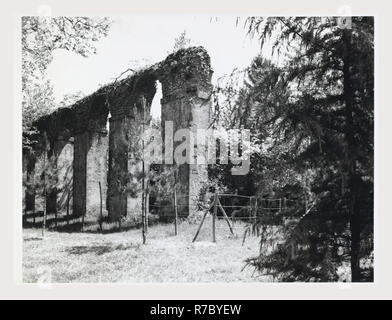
x=322, y=123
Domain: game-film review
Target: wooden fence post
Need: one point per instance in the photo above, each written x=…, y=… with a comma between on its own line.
x=147, y=206
x=143, y=210
x=144, y=179
x=175, y=210
x=225, y=215
x=214, y=217
x=55, y=218
x=202, y=220
x=44, y=220
x=306, y=204
x=250, y=208
x=68, y=208
x=100, y=206
x=45, y=212
x=255, y=213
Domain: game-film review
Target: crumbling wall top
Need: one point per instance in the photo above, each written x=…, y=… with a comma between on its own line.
x=181, y=73
x=184, y=72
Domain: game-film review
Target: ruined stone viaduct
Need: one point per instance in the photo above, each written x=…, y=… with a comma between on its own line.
x=76, y=142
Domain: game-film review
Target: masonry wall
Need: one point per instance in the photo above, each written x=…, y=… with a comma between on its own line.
x=118, y=165
x=198, y=173
x=39, y=201
x=91, y=144
x=79, y=173
x=125, y=168
x=96, y=175
x=179, y=112
x=64, y=175
x=90, y=169
x=28, y=183
x=135, y=168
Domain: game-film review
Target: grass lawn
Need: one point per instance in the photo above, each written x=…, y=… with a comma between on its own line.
x=121, y=256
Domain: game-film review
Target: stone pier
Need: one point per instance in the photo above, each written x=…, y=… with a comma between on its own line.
x=90, y=158
x=186, y=88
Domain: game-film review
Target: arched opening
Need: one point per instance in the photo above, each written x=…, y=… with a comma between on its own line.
x=155, y=123
x=155, y=110
x=108, y=121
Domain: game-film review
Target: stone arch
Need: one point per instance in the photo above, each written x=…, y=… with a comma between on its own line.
x=126, y=107
x=48, y=162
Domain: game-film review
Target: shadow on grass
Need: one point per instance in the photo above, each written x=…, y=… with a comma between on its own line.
x=60, y=223
x=100, y=250
x=32, y=239
x=73, y=224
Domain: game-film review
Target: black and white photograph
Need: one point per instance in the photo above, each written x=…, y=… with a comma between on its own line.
x=196, y=148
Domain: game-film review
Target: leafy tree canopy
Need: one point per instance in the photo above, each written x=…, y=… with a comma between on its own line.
x=40, y=37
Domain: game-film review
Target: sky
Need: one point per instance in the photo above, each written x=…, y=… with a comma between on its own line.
x=137, y=40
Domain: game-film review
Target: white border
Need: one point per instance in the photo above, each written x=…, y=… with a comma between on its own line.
x=10, y=237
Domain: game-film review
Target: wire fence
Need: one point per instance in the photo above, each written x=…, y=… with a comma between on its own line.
x=227, y=207
x=223, y=206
